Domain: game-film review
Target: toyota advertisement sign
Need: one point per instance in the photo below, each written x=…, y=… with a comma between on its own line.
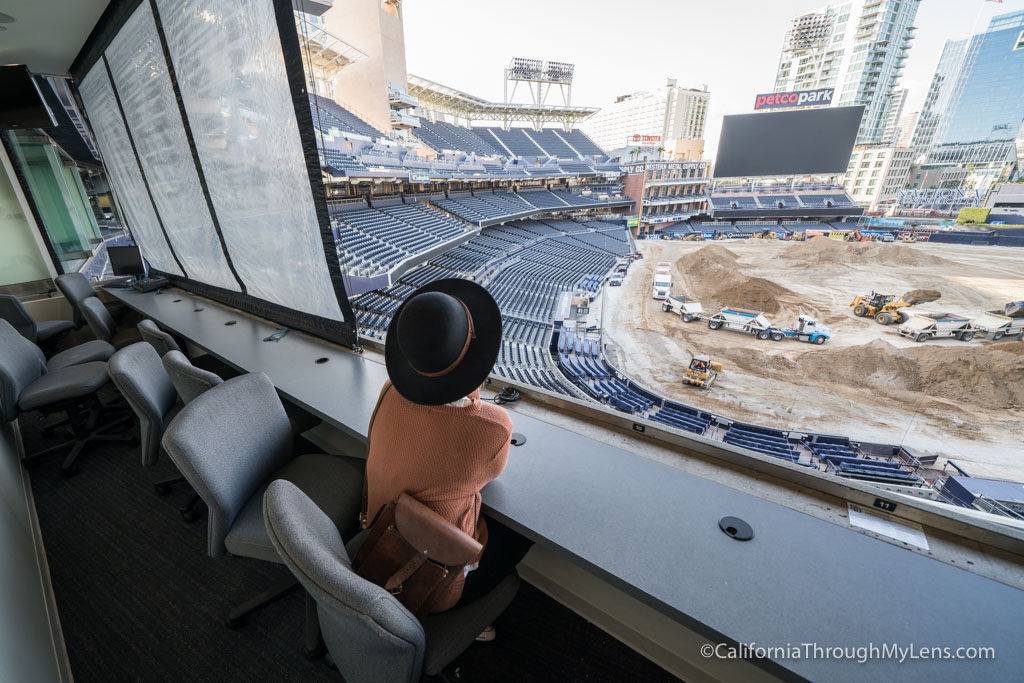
x=796, y=98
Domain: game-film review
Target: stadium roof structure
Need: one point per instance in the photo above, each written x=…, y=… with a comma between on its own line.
x=447, y=100
x=328, y=53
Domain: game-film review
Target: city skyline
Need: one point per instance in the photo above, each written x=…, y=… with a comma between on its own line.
x=691, y=51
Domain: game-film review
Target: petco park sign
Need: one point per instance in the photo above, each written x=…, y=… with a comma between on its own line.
x=797, y=98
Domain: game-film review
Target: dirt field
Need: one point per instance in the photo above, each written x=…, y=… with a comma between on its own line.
x=963, y=401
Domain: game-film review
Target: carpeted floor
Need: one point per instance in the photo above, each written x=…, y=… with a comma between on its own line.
x=139, y=599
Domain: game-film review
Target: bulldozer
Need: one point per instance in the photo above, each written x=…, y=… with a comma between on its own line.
x=885, y=308
x=702, y=371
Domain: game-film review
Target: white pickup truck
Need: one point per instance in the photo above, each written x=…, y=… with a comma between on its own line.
x=924, y=326
x=994, y=325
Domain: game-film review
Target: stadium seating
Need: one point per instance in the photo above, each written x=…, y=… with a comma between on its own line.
x=552, y=144
x=516, y=141
x=329, y=114
x=376, y=240
x=526, y=265
x=581, y=143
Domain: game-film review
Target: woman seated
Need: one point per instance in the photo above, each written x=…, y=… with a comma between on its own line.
x=432, y=436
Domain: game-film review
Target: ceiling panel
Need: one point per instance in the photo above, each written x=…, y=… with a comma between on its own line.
x=46, y=34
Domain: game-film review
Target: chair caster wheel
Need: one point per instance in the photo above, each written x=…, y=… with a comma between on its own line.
x=162, y=489
x=235, y=623
x=315, y=654
x=189, y=515
x=68, y=472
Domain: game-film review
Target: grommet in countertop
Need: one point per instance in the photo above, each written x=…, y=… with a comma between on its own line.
x=518, y=439
x=321, y=361
x=196, y=310
x=231, y=322
x=176, y=301
x=736, y=528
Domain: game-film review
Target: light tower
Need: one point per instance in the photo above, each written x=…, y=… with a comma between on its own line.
x=540, y=77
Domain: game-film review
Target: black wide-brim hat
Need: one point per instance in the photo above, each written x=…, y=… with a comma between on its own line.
x=446, y=345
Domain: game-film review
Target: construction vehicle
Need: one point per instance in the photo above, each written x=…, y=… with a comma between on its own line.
x=1005, y=323
x=924, y=326
x=685, y=307
x=741, y=320
x=702, y=371
x=885, y=308
x=662, y=281
x=855, y=236
x=808, y=329
x=694, y=237
x=766, y=234
x=799, y=236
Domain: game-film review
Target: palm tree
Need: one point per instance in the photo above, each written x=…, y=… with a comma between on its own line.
x=661, y=151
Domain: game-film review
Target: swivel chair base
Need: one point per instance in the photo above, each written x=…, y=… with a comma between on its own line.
x=82, y=420
x=314, y=648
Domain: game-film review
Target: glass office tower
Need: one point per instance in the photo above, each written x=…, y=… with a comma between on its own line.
x=978, y=108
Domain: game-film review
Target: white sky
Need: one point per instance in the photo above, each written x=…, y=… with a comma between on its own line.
x=621, y=46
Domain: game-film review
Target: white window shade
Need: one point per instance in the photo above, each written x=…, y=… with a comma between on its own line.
x=123, y=170
x=230, y=71
x=140, y=76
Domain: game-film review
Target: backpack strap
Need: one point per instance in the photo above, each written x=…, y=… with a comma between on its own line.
x=363, y=521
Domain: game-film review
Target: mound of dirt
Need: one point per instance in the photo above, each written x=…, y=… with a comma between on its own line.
x=711, y=254
x=985, y=377
x=712, y=276
x=922, y=295
x=825, y=251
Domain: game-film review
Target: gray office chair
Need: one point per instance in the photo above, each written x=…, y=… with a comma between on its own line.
x=230, y=443
x=103, y=326
x=160, y=340
x=370, y=635
x=139, y=375
x=39, y=333
x=27, y=383
x=76, y=289
x=188, y=380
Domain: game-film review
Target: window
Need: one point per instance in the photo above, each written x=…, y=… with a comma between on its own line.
x=1020, y=42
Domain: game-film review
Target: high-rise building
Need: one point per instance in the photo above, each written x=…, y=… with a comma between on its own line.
x=973, y=116
x=660, y=123
x=905, y=128
x=857, y=47
x=893, y=115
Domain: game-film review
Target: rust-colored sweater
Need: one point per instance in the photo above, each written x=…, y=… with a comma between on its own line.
x=440, y=455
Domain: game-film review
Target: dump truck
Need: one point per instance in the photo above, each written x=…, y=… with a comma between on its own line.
x=702, y=371
x=742, y=320
x=885, y=308
x=924, y=326
x=1005, y=323
x=685, y=307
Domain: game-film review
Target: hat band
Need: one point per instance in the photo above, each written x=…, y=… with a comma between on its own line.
x=470, y=336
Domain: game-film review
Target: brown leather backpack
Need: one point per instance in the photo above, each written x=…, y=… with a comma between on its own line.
x=415, y=554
